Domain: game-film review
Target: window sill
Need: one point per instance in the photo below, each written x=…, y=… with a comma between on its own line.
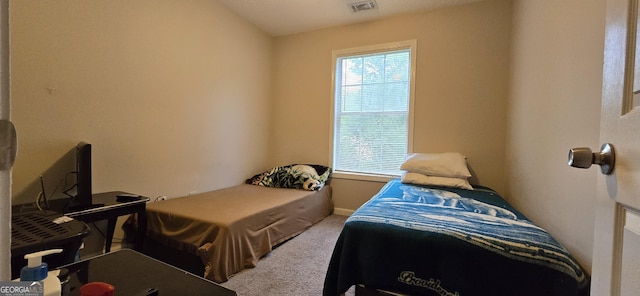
x=363, y=177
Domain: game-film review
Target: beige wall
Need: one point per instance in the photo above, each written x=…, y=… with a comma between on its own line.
x=171, y=94
x=556, y=80
x=461, y=89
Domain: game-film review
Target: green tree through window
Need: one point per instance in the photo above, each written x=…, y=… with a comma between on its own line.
x=372, y=111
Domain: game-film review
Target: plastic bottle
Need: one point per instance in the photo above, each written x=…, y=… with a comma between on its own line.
x=38, y=271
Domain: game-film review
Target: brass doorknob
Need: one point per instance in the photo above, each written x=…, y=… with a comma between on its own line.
x=583, y=158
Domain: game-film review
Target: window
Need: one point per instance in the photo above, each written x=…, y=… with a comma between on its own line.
x=372, y=120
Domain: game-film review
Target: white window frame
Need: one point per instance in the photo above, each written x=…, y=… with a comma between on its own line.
x=372, y=49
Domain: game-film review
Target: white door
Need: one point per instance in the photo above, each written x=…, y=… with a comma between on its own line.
x=616, y=257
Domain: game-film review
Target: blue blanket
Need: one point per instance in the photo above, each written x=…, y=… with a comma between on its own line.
x=443, y=241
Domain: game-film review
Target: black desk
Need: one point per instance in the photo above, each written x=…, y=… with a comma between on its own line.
x=132, y=273
x=109, y=209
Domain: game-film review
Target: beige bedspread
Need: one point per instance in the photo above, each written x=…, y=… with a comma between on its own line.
x=231, y=228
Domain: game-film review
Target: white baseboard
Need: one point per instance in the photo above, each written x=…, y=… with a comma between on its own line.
x=342, y=212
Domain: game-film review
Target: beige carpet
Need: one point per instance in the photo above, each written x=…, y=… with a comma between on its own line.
x=297, y=267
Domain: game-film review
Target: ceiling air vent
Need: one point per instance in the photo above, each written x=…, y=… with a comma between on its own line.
x=362, y=6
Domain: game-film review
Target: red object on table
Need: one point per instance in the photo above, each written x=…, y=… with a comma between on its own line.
x=97, y=289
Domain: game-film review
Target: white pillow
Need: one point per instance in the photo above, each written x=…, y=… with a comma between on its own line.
x=419, y=179
x=448, y=164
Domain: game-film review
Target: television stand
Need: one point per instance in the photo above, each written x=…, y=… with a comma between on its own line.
x=80, y=208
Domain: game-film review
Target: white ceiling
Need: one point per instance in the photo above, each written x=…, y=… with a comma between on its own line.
x=284, y=17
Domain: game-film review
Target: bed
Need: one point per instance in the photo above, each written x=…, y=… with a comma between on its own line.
x=230, y=229
x=432, y=240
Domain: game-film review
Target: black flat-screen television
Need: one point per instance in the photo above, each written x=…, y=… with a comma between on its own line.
x=83, y=177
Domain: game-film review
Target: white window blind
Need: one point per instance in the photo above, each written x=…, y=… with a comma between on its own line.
x=372, y=101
